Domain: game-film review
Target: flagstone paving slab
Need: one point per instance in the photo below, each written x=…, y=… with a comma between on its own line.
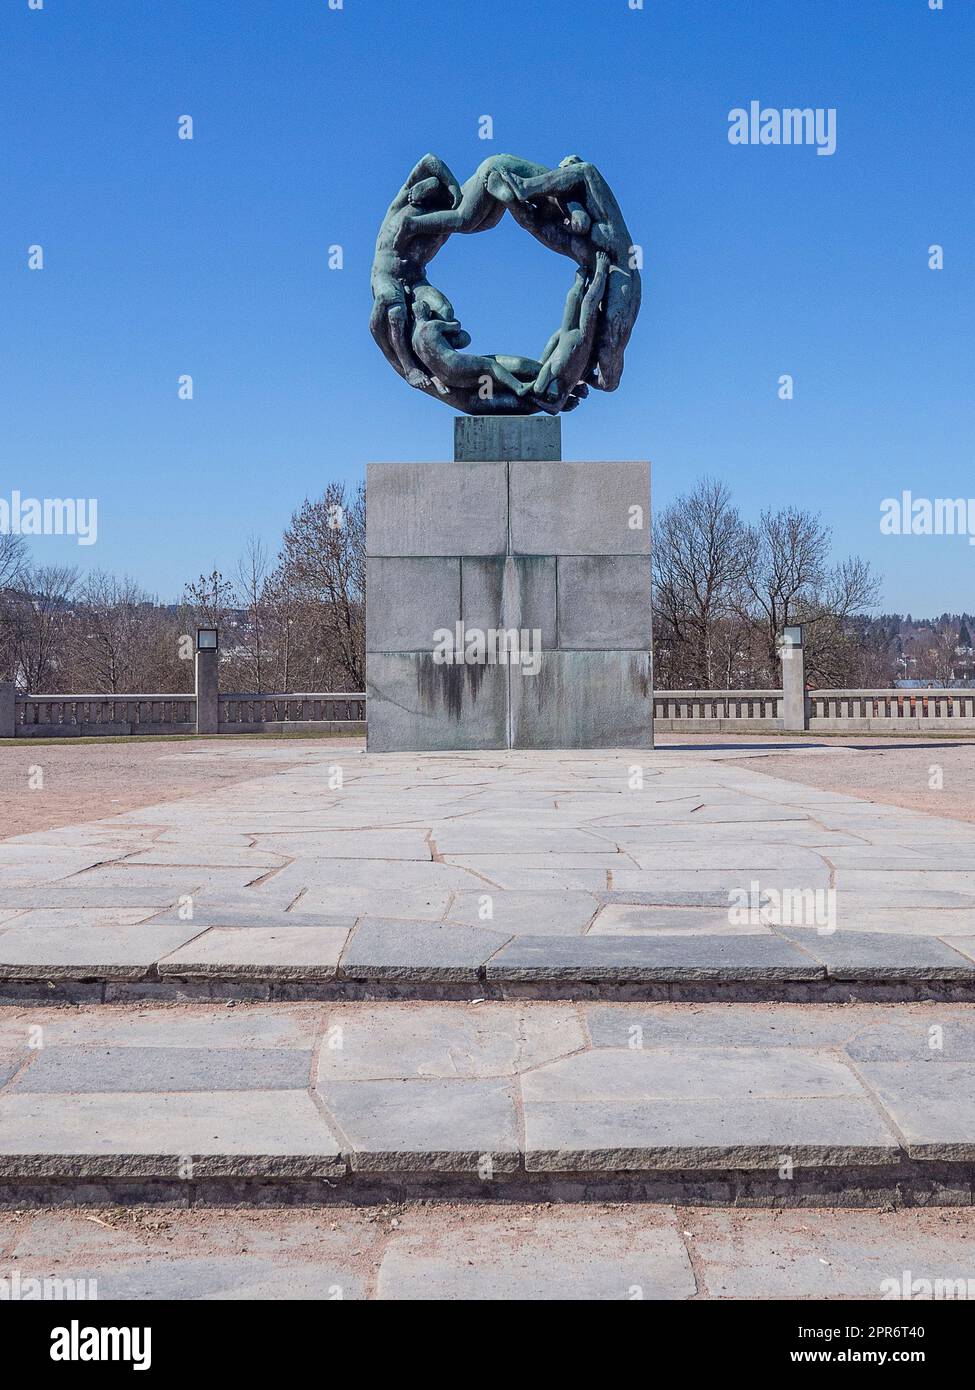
x=476, y=838
x=68, y=894
x=560, y=913
x=745, y=859
x=231, y=1277
x=76, y=917
x=410, y=875
x=851, y=903
x=206, y=914
x=508, y=874
x=297, y=952
x=861, y=956
x=947, y=923
x=640, y=1108
x=397, y=1041
x=207, y=856
x=682, y=898
x=349, y=844
x=932, y=1038
x=20, y=867
x=66, y=953
x=831, y=1255
x=558, y=1255
x=634, y=919
x=943, y=880
x=608, y=1135
x=427, y=1125
x=151, y=1134
x=932, y=1106
x=722, y=882
x=174, y=879
x=414, y=904
x=384, y=948
x=662, y=831
x=631, y=1075
x=652, y=958
x=591, y=865
x=725, y=1025
x=67, y=1070
x=289, y=1026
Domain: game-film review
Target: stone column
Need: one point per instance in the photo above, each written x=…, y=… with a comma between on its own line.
x=207, y=696
x=795, y=709
x=8, y=709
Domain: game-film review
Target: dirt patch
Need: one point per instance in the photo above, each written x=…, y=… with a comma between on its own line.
x=87, y=781
x=936, y=778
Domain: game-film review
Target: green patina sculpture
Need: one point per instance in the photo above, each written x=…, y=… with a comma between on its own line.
x=571, y=210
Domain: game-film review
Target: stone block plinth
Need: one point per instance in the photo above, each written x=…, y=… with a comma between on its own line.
x=508, y=599
x=480, y=438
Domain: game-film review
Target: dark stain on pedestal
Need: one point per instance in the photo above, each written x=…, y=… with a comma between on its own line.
x=442, y=685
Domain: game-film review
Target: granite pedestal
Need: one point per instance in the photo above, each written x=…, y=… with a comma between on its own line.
x=508, y=596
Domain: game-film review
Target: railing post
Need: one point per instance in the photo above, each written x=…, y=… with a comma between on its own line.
x=8, y=709
x=795, y=703
x=207, y=682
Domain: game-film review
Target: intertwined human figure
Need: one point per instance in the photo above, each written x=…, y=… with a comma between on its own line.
x=571, y=210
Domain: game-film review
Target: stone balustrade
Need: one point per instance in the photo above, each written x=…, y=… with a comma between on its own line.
x=325, y=712
x=95, y=715
x=674, y=711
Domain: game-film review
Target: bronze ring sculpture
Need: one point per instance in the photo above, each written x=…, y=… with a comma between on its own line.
x=571, y=210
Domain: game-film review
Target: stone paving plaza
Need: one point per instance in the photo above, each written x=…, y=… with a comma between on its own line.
x=494, y=874
x=491, y=975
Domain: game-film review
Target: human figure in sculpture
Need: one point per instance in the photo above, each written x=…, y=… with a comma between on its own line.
x=565, y=362
x=438, y=343
x=484, y=196
x=592, y=222
x=407, y=241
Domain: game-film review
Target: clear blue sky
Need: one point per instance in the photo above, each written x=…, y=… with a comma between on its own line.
x=209, y=257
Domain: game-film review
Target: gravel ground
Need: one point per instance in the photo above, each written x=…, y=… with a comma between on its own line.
x=930, y=776
x=86, y=781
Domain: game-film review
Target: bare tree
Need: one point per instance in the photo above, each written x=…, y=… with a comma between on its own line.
x=942, y=655
x=790, y=566
x=791, y=581
x=209, y=599
x=40, y=617
x=254, y=596
x=14, y=562
x=701, y=555
x=322, y=570
x=112, y=626
x=13, y=567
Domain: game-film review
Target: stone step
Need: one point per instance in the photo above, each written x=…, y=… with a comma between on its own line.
x=391, y=957
x=761, y=1104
